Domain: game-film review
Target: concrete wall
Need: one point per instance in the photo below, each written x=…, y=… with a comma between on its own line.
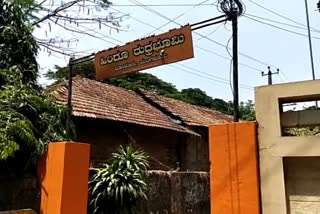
x=168, y=149
x=274, y=148
x=302, y=176
x=196, y=152
x=19, y=192
x=177, y=193
x=168, y=193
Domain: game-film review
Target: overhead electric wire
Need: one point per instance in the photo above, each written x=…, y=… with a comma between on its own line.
x=201, y=48
x=182, y=14
x=213, y=31
x=208, y=78
x=218, y=43
x=281, y=23
x=278, y=14
x=219, y=78
x=280, y=28
x=226, y=58
x=161, y=5
x=148, y=5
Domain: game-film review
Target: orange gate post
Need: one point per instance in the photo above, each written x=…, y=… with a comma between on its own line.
x=234, y=178
x=63, y=175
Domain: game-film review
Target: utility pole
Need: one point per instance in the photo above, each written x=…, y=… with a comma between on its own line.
x=234, y=17
x=269, y=74
x=310, y=43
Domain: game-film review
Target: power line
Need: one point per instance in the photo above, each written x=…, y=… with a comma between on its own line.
x=282, y=16
x=213, y=31
x=148, y=5
x=138, y=20
x=161, y=5
x=218, y=43
x=218, y=78
x=208, y=78
x=280, y=28
x=201, y=48
x=241, y=53
x=182, y=14
x=226, y=58
x=282, y=23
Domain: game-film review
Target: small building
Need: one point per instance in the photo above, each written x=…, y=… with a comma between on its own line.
x=173, y=133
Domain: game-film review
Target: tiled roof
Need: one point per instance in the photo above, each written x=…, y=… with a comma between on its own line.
x=190, y=114
x=94, y=99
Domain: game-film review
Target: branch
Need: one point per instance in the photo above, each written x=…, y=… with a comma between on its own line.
x=76, y=31
x=56, y=11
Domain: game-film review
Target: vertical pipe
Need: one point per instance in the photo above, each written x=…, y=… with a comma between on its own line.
x=235, y=68
x=68, y=125
x=310, y=43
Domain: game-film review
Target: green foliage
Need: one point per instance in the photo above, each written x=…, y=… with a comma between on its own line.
x=150, y=82
x=117, y=188
x=29, y=120
x=247, y=111
x=130, y=82
x=18, y=46
x=83, y=69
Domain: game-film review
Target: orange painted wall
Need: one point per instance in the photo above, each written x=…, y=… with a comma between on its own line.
x=234, y=180
x=63, y=175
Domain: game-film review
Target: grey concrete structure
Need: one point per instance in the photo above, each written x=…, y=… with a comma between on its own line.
x=290, y=176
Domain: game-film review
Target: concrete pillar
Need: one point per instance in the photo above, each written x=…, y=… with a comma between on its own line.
x=234, y=178
x=63, y=174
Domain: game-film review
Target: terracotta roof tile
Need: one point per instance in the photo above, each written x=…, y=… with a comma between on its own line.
x=97, y=100
x=190, y=114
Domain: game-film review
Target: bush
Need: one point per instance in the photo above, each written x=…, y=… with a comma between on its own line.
x=117, y=188
x=29, y=120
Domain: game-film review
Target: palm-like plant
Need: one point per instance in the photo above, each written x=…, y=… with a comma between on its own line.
x=117, y=188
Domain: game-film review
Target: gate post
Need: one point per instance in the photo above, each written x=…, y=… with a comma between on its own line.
x=234, y=178
x=63, y=175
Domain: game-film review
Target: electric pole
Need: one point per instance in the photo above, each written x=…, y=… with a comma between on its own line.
x=233, y=9
x=310, y=43
x=236, y=113
x=269, y=74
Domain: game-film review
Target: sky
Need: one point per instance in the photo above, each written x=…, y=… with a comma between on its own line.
x=279, y=48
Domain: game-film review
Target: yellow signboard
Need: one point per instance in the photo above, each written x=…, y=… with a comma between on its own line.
x=173, y=46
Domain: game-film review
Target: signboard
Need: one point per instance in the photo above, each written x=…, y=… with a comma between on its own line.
x=173, y=46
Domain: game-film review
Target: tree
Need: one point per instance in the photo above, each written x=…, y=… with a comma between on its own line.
x=247, y=111
x=130, y=82
x=75, y=16
x=29, y=118
x=18, y=46
x=117, y=188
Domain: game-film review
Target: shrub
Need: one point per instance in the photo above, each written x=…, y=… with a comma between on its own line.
x=117, y=188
